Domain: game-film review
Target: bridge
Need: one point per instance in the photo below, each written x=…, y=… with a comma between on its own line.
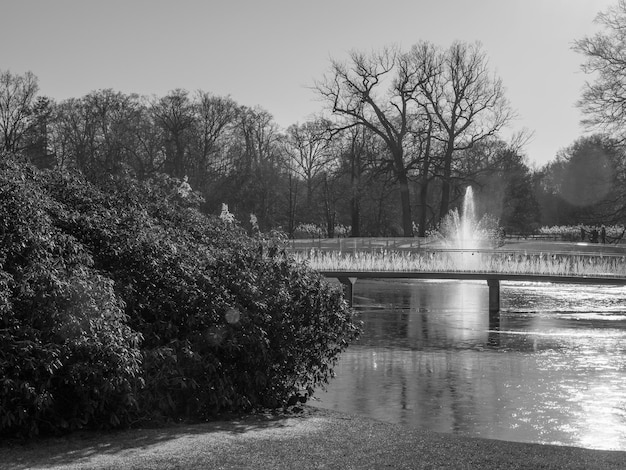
x=349, y=278
x=553, y=262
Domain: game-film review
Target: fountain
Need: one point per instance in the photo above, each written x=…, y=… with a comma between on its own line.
x=463, y=231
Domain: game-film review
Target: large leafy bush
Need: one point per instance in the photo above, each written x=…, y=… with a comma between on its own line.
x=228, y=322
x=67, y=357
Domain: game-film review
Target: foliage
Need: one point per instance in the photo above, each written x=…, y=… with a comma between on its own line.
x=185, y=280
x=290, y=326
x=507, y=192
x=227, y=322
x=573, y=232
x=68, y=358
x=316, y=231
x=237, y=155
x=584, y=184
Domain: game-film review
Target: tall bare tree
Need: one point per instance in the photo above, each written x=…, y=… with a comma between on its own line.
x=376, y=91
x=17, y=96
x=603, y=100
x=98, y=132
x=214, y=118
x=426, y=105
x=463, y=101
x=256, y=164
x=307, y=149
x=174, y=115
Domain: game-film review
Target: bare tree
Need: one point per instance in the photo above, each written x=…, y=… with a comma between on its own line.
x=214, y=118
x=73, y=134
x=426, y=105
x=17, y=95
x=307, y=148
x=359, y=150
x=257, y=164
x=35, y=142
x=97, y=132
x=603, y=101
x=174, y=115
x=258, y=133
x=376, y=91
x=465, y=104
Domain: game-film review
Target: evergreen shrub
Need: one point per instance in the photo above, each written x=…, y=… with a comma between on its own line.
x=68, y=359
x=189, y=315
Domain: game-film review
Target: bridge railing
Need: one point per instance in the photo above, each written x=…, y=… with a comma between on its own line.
x=504, y=261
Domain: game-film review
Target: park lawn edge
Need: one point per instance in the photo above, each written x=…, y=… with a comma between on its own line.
x=308, y=439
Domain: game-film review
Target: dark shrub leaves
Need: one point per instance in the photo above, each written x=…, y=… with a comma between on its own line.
x=67, y=357
x=227, y=322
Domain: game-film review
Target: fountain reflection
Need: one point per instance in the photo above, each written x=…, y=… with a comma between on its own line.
x=457, y=320
x=430, y=357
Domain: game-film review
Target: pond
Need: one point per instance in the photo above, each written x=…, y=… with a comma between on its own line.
x=551, y=370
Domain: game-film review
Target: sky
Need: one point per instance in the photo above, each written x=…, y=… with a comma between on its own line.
x=270, y=52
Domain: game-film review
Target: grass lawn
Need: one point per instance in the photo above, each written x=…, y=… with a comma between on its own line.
x=312, y=439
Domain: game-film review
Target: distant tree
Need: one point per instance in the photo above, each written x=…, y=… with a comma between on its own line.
x=426, y=105
x=17, y=97
x=358, y=149
x=464, y=102
x=586, y=182
x=36, y=142
x=73, y=134
x=254, y=178
x=508, y=191
x=603, y=100
x=147, y=155
x=375, y=91
x=98, y=132
x=215, y=117
x=308, y=155
x=174, y=115
x=115, y=116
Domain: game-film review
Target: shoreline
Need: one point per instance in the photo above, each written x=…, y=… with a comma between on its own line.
x=312, y=439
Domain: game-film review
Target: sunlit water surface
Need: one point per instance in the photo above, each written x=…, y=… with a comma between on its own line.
x=553, y=370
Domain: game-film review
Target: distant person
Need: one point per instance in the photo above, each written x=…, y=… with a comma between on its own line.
x=594, y=235
x=603, y=234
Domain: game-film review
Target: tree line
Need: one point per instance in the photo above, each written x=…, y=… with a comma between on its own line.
x=400, y=136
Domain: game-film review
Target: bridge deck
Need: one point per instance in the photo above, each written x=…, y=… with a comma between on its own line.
x=348, y=278
x=481, y=276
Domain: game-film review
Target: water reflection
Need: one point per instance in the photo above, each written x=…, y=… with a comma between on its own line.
x=552, y=370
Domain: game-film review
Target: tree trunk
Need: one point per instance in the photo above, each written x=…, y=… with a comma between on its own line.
x=423, y=201
x=405, y=201
x=405, y=197
x=444, y=208
x=293, y=203
x=355, y=212
x=329, y=210
x=423, y=193
x=355, y=196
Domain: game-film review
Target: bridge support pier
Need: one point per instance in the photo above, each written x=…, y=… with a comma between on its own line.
x=348, y=283
x=494, y=297
x=348, y=288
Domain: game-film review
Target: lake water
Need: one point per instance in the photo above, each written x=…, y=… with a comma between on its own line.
x=551, y=370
